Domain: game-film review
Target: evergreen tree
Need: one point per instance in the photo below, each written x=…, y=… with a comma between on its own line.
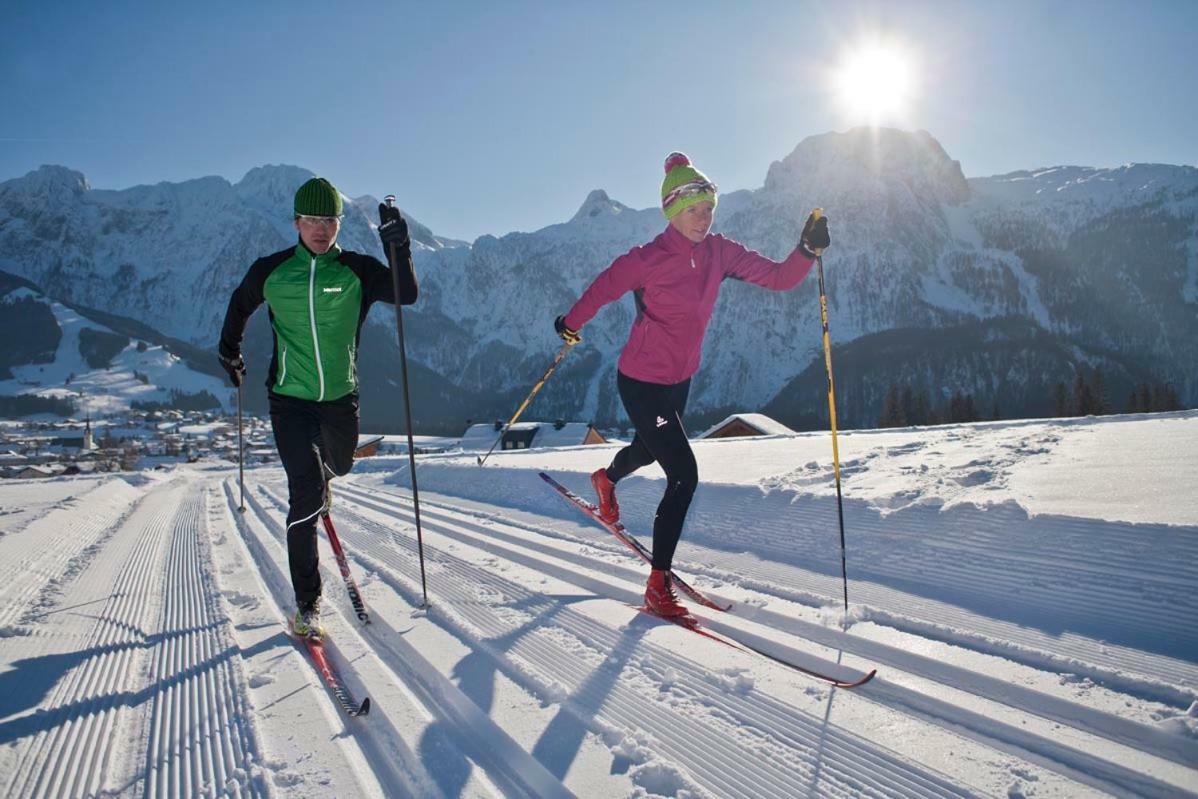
x=1083, y=397
x=907, y=403
x=1133, y=402
x=1060, y=400
x=922, y=410
x=892, y=411
x=1102, y=403
x=1145, y=398
x=961, y=408
x=970, y=410
x=1172, y=402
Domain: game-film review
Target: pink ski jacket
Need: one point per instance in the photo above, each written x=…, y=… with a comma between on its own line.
x=676, y=283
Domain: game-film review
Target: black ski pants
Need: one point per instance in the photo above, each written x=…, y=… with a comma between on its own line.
x=315, y=440
x=656, y=413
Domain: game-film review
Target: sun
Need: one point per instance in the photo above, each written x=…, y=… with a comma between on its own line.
x=875, y=81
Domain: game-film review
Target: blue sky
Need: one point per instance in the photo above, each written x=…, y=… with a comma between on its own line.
x=501, y=116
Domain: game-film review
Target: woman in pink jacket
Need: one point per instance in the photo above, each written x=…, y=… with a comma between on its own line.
x=676, y=279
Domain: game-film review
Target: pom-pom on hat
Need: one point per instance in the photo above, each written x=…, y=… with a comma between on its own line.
x=318, y=197
x=684, y=186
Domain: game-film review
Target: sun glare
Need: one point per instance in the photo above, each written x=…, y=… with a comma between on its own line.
x=875, y=82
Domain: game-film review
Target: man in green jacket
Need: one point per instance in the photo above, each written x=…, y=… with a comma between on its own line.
x=318, y=296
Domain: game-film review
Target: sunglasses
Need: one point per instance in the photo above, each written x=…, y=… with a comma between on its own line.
x=690, y=190
x=321, y=221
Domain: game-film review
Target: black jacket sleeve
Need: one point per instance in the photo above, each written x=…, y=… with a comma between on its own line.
x=245, y=300
x=376, y=278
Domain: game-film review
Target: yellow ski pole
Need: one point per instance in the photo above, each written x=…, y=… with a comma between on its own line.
x=823, y=312
x=560, y=354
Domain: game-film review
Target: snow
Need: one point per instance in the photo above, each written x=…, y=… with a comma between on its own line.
x=108, y=389
x=1026, y=591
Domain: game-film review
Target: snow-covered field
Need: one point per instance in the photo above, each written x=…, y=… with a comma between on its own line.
x=1027, y=592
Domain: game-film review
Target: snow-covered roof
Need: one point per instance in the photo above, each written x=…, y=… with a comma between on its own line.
x=206, y=429
x=758, y=421
x=42, y=471
x=544, y=434
x=399, y=443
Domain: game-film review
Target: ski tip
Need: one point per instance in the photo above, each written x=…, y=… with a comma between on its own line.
x=363, y=709
x=860, y=682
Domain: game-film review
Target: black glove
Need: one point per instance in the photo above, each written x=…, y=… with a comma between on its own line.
x=234, y=367
x=567, y=335
x=815, y=238
x=393, y=229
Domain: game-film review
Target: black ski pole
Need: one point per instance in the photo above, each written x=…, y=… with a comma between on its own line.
x=240, y=454
x=823, y=311
x=407, y=403
x=560, y=354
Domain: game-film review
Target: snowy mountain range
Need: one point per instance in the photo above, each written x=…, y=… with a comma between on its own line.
x=999, y=287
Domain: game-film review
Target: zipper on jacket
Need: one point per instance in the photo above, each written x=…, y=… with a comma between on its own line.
x=312, y=319
x=283, y=370
x=351, y=371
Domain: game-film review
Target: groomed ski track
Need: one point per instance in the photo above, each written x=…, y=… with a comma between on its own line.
x=147, y=636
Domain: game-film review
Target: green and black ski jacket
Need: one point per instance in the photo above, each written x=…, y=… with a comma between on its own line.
x=317, y=306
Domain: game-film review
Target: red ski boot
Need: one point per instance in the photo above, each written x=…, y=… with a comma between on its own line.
x=609, y=509
x=660, y=597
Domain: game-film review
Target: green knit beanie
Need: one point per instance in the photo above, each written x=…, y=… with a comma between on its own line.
x=318, y=197
x=684, y=186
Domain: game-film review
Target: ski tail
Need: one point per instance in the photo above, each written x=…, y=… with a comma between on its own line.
x=689, y=622
x=627, y=539
x=355, y=596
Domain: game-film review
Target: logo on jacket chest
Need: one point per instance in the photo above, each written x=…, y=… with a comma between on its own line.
x=331, y=289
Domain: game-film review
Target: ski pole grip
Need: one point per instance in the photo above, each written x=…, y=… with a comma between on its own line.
x=390, y=201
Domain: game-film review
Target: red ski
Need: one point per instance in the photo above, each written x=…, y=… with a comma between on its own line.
x=320, y=659
x=689, y=622
x=624, y=537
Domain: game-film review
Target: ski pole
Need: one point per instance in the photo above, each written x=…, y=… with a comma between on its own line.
x=407, y=404
x=823, y=311
x=240, y=454
x=560, y=354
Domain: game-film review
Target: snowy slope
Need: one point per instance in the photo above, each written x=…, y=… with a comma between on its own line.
x=1025, y=590
x=135, y=371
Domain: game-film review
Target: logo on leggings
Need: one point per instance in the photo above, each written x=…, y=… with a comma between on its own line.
x=661, y=422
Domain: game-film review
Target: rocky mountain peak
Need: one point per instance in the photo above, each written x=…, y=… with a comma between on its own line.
x=871, y=160
x=50, y=183
x=271, y=186
x=598, y=204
